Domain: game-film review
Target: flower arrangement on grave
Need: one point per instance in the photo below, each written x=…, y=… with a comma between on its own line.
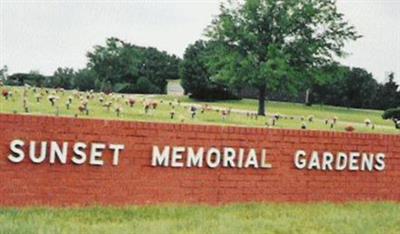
x=38, y=97
x=5, y=93
x=52, y=99
x=118, y=110
x=107, y=105
x=131, y=102
x=349, y=128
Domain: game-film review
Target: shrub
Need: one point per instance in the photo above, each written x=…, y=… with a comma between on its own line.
x=394, y=115
x=144, y=85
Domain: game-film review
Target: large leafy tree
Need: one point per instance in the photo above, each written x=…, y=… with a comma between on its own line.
x=263, y=42
x=196, y=78
x=85, y=79
x=62, y=78
x=116, y=64
x=388, y=94
x=333, y=91
x=361, y=88
x=158, y=67
x=350, y=87
x=123, y=67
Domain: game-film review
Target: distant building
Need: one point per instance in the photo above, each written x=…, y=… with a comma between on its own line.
x=174, y=88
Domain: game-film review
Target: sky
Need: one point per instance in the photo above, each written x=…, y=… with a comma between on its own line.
x=42, y=35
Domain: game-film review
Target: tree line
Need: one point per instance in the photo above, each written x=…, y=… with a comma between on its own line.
x=116, y=67
x=121, y=67
x=339, y=86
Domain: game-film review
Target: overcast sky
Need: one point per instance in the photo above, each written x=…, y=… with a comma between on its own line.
x=43, y=35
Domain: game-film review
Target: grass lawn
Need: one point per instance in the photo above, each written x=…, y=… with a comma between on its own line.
x=346, y=117
x=247, y=218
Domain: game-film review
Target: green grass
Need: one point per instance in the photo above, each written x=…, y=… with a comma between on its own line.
x=247, y=218
x=297, y=109
x=354, y=117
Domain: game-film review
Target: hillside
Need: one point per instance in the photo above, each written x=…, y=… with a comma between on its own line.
x=181, y=109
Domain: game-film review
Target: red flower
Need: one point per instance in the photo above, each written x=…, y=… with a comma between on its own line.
x=131, y=102
x=349, y=128
x=5, y=93
x=81, y=108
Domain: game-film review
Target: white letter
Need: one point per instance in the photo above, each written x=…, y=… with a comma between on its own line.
x=380, y=162
x=160, y=159
x=229, y=156
x=353, y=161
x=56, y=151
x=17, y=154
x=341, y=161
x=32, y=151
x=251, y=159
x=176, y=156
x=116, y=149
x=95, y=154
x=327, y=161
x=314, y=161
x=264, y=163
x=79, y=151
x=367, y=162
x=300, y=163
x=195, y=159
x=240, y=158
x=213, y=151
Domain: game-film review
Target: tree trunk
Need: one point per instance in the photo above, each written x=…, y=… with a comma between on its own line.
x=307, y=100
x=261, y=100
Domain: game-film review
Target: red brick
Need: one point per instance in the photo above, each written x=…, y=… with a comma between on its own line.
x=135, y=181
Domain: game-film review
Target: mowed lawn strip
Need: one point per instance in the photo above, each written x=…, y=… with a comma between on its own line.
x=296, y=109
x=182, y=113
x=246, y=218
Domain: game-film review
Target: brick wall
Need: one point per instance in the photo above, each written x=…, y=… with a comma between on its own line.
x=135, y=181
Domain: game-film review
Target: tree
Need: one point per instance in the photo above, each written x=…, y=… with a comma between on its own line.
x=156, y=68
x=196, y=78
x=171, y=71
x=120, y=65
x=143, y=85
x=333, y=90
x=360, y=88
x=33, y=78
x=116, y=64
x=85, y=79
x=388, y=95
x=262, y=42
x=62, y=78
x=349, y=87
